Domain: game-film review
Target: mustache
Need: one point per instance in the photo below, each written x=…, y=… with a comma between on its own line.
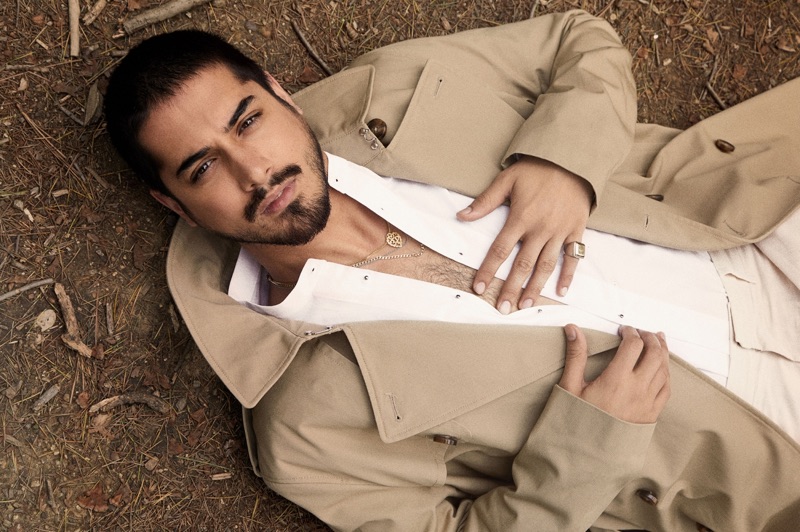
x=260, y=193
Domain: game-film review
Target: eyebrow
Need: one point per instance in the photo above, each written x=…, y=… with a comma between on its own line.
x=237, y=114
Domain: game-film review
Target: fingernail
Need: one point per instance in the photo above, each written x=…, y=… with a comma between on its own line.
x=505, y=307
x=662, y=336
x=466, y=211
x=528, y=303
x=571, y=336
x=562, y=291
x=480, y=288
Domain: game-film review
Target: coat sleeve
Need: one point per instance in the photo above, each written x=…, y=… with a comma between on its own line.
x=573, y=464
x=567, y=74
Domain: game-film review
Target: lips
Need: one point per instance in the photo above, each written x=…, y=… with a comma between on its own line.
x=278, y=199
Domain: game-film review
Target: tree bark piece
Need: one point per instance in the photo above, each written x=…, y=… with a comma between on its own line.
x=157, y=14
x=159, y=405
x=72, y=338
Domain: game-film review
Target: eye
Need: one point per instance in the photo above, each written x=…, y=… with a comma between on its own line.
x=249, y=121
x=202, y=169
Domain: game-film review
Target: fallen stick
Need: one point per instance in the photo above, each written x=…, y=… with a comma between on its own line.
x=157, y=14
x=311, y=50
x=72, y=338
x=159, y=405
x=715, y=96
x=74, y=28
x=29, y=286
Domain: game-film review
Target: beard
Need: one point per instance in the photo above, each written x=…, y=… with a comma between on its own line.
x=302, y=219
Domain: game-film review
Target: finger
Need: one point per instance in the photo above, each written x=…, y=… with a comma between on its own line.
x=495, y=195
x=628, y=352
x=577, y=353
x=524, y=264
x=545, y=266
x=498, y=252
x=568, y=266
x=652, y=357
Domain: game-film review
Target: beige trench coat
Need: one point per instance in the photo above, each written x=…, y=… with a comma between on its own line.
x=428, y=426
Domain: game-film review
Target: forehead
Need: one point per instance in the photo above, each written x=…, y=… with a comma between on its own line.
x=202, y=105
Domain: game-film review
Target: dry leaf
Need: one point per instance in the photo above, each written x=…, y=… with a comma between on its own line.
x=39, y=19
x=739, y=72
x=198, y=415
x=23, y=84
x=122, y=496
x=133, y=5
x=83, y=399
x=446, y=24
x=13, y=390
x=139, y=257
x=308, y=75
x=94, y=104
x=643, y=52
x=708, y=47
x=194, y=437
x=94, y=499
x=175, y=447
x=65, y=88
x=712, y=34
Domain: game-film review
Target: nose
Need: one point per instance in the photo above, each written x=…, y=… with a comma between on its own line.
x=251, y=168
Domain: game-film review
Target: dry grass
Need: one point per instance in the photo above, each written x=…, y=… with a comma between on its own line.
x=69, y=211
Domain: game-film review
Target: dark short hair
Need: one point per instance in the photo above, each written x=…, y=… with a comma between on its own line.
x=154, y=71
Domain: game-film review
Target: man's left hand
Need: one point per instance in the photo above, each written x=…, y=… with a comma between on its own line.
x=549, y=206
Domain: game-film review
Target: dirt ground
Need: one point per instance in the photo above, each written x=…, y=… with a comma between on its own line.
x=70, y=212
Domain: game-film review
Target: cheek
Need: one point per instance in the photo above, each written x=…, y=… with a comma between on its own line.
x=219, y=200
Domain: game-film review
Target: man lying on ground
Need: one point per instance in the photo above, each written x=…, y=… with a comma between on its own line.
x=370, y=333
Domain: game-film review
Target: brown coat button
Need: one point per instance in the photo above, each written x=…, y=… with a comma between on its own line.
x=657, y=197
x=378, y=127
x=724, y=146
x=647, y=496
x=447, y=440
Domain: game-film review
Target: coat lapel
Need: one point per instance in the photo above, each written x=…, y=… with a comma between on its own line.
x=422, y=374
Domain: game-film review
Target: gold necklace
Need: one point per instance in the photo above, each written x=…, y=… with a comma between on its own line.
x=392, y=239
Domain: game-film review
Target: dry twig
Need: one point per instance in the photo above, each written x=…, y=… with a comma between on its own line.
x=95, y=11
x=157, y=14
x=74, y=28
x=159, y=405
x=29, y=286
x=714, y=95
x=311, y=50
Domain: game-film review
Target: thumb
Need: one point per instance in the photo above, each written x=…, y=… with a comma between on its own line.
x=572, y=379
x=487, y=201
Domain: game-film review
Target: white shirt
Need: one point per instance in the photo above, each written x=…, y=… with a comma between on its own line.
x=620, y=282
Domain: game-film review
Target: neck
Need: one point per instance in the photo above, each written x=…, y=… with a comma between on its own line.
x=352, y=232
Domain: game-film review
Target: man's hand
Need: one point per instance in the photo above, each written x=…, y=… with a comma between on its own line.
x=635, y=385
x=549, y=207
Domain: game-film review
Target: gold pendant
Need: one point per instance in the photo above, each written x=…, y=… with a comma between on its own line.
x=394, y=239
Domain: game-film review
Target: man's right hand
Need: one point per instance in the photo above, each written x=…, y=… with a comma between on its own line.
x=635, y=385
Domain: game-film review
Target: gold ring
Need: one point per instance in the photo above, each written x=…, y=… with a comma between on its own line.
x=575, y=249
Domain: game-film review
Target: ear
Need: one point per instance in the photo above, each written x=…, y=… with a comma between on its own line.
x=173, y=205
x=280, y=92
